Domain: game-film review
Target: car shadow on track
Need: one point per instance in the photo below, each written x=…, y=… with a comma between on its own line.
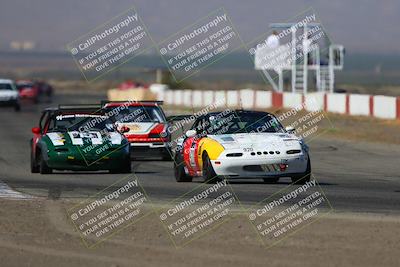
x=266, y=183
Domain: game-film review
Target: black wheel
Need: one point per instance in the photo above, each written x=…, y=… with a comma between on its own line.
x=166, y=156
x=271, y=180
x=305, y=176
x=125, y=168
x=209, y=175
x=179, y=170
x=43, y=168
x=34, y=166
x=17, y=107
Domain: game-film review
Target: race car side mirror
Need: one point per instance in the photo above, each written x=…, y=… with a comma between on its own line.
x=290, y=129
x=36, y=130
x=191, y=133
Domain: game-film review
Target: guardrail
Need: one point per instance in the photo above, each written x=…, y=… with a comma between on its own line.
x=384, y=107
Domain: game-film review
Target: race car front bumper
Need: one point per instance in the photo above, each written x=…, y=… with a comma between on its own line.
x=149, y=150
x=9, y=101
x=260, y=166
x=81, y=164
x=79, y=161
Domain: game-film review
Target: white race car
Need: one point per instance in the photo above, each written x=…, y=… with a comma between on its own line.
x=241, y=144
x=9, y=94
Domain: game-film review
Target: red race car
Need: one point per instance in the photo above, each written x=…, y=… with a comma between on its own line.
x=28, y=90
x=144, y=125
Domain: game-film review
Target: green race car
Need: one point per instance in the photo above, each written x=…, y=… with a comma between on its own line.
x=78, y=138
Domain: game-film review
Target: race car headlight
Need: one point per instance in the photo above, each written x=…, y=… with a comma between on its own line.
x=228, y=139
x=293, y=151
x=229, y=145
x=234, y=154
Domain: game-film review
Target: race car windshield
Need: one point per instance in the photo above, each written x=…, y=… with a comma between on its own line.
x=139, y=114
x=243, y=123
x=6, y=86
x=81, y=122
x=24, y=86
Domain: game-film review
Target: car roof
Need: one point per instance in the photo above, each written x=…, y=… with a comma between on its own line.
x=24, y=82
x=130, y=103
x=75, y=108
x=239, y=111
x=6, y=81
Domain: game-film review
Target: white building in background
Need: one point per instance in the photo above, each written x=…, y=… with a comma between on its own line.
x=22, y=45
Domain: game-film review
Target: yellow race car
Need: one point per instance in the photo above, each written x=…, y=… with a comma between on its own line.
x=241, y=144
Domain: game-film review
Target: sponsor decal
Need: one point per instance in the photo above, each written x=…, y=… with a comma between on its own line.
x=56, y=138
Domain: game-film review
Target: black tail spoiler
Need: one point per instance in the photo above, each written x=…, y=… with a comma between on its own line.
x=105, y=102
x=179, y=117
x=79, y=106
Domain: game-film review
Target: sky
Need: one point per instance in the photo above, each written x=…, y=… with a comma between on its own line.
x=363, y=26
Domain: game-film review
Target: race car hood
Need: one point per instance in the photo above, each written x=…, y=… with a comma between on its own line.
x=7, y=94
x=255, y=140
x=76, y=138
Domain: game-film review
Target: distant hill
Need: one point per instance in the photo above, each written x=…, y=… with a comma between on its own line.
x=365, y=69
x=362, y=26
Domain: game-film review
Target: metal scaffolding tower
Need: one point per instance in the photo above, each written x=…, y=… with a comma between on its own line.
x=323, y=59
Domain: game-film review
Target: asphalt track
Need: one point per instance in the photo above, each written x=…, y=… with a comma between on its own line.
x=355, y=176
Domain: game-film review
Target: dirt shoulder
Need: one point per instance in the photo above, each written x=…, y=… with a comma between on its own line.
x=366, y=129
x=38, y=233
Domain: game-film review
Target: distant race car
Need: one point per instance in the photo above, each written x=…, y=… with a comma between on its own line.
x=28, y=90
x=45, y=90
x=79, y=138
x=145, y=125
x=241, y=144
x=9, y=94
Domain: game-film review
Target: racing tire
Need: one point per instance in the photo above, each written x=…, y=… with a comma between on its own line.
x=125, y=168
x=305, y=176
x=43, y=167
x=272, y=180
x=179, y=170
x=209, y=175
x=166, y=156
x=34, y=166
x=17, y=107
